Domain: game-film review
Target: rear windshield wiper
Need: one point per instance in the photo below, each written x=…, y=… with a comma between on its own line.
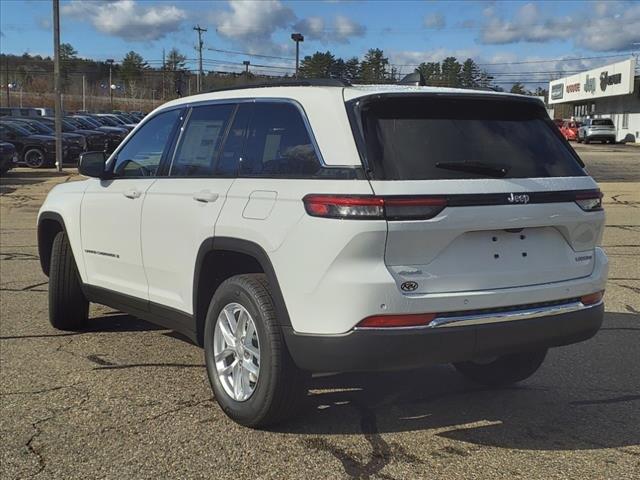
x=474, y=167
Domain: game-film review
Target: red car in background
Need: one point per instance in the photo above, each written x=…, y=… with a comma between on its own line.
x=569, y=129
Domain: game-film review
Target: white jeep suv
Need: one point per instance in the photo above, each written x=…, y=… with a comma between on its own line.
x=322, y=227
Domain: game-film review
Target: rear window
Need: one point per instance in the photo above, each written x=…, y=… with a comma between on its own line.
x=603, y=121
x=440, y=137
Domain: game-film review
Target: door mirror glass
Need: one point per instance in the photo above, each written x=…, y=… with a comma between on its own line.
x=92, y=164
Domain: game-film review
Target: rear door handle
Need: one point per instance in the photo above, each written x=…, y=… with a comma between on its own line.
x=132, y=193
x=205, y=196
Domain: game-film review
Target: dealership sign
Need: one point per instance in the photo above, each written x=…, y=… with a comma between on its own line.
x=607, y=81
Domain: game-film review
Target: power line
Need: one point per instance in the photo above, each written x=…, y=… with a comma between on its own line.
x=247, y=54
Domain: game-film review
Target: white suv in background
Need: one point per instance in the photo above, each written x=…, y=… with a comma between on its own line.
x=323, y=227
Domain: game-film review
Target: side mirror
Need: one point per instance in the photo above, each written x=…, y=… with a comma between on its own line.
x=92, y=164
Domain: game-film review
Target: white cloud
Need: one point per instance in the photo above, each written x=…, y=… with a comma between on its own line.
x=252, y=23
x=340, y=30
x=434, y=20
x=128, y=19
x=603, y=26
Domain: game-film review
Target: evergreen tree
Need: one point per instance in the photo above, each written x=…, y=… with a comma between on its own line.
x=451, y=71
x=518, y=88
x=374, y=66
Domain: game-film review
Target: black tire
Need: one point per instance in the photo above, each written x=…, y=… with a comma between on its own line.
x=281, y=387
x=34, y=158
x=68, y=307
x=504, y=370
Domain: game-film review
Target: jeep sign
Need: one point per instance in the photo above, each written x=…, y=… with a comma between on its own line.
x=607, y=81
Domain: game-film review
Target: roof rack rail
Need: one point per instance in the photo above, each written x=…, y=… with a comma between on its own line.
x=307, y=82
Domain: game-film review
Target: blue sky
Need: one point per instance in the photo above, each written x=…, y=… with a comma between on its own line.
x=409, y=32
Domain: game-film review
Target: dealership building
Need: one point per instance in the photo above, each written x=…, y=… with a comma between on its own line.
x=612, y=91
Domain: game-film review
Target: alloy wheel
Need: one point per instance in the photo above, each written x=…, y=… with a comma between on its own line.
x=236, y=351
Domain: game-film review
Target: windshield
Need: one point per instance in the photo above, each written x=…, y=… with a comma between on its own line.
x=107, y=121
x=602, y=121
x=17, y=129
x=431, y=137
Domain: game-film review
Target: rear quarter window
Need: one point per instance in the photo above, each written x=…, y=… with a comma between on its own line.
x=430, y=137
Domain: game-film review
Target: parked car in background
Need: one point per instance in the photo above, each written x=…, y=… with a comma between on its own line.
x=107, y=120
x=115, y=135
x=45, y=112
x=117, y=121
x=17, y=111
x=597, y=130
x=34, y=150
x=96, y=140
x=76, y=144
x=137, y=114
x=569, y=129
x=8, y=157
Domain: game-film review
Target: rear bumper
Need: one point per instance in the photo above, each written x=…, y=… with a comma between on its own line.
x=404, y=348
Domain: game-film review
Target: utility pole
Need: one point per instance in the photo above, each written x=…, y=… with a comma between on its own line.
x=84, y=101
x=6, y=63
x=163, y=68
x=297, y=37
x=200, y=31
x=110, y=62
x=56, y=83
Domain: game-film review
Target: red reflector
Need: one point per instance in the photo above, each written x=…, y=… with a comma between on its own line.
x=390, y=321
x=592, y=298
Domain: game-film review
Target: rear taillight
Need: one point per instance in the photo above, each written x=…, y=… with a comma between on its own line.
x=592, y=298
x=589, y=201
x=373, y=208
x=395, y=321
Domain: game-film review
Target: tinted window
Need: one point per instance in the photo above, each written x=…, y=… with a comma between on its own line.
x=278, y=143
x=603, y=121
x=411, y=138
x=141, y=155
x=201, y=140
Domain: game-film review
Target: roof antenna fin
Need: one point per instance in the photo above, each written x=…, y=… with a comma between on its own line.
x=416, y=78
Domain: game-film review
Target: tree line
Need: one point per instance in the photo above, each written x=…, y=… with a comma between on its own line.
x=134, y=77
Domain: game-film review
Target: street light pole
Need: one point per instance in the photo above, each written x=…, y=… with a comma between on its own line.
x=297, y=37
x=110, y=62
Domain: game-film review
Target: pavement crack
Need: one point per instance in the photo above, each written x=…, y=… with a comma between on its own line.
x=631, y=309
x=44, y=390
x=99, y=360
x=18, y=256
x=144, y=365
x=628, y=287
x=624, y=398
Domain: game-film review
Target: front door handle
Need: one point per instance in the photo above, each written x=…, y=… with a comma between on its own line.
x=132, y=193
x=205, y=196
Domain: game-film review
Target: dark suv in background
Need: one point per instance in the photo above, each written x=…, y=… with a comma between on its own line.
x=34, y=150
x=76, y=144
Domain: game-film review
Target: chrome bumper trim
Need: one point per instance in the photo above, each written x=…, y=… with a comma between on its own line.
x=494, y=317
x=514, y=315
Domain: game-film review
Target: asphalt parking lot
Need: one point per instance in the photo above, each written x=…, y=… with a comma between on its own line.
x=126, y=399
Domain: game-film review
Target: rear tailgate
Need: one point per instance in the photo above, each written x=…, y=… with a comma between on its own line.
x=481, y=241
x=509, y=182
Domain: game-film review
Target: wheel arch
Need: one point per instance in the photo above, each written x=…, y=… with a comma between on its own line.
x=49, y=225
x=220, y=258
